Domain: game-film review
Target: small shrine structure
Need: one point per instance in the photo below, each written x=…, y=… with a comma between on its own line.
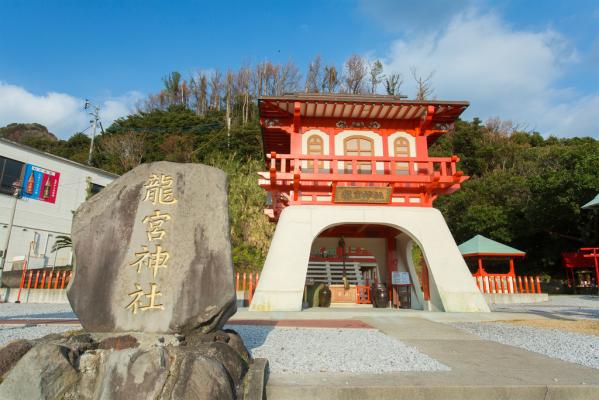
x=582, y=266
x=357, y=167
x=480, y=249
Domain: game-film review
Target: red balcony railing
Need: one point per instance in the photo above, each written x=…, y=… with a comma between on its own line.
x=305, y=179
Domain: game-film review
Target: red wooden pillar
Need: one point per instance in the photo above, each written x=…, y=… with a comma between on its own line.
x=391, y=264
x=250, y=294
x=512, y=272
x=425, y=283
x=481, y=269
x=595, y=257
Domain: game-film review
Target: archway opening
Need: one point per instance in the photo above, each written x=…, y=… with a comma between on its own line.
x=356, y=260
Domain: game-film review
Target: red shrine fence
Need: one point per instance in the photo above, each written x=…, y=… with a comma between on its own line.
x=246, y=283
x=507, y=284
x=317, y=175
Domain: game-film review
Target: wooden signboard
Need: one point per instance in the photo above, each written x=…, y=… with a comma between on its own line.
x=361, y=194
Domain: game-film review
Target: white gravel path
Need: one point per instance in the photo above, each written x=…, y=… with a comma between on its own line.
x=33, y=310
x=8, y=333
x=554, y=343
x=293, y=350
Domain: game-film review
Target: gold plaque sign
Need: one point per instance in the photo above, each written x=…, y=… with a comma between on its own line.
x=359, y=194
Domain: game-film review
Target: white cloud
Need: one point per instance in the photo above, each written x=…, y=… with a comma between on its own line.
x=501, y=71
x=62, y=113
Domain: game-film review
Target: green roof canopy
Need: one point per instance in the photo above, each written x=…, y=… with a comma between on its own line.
x=482, y=246
x=592, y=204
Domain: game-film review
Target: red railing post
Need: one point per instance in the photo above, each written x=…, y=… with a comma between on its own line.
x=56, y=281
x=37, y=275
x=49, y=280
x=43, y=279
x=29, y=281
x=251, y=287
x=22, y=281
x=526, y=284
x=64, y=274
x=532, y=284
x=237, y=282
x=243, y=283
x=520, y=284
x=538, y=285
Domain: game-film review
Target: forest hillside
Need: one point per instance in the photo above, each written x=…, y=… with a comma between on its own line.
x=525, y=188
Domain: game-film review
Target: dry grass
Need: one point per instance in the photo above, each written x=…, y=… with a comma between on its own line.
x=583, y=326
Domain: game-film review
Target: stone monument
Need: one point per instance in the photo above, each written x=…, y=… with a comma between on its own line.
x=153, y=288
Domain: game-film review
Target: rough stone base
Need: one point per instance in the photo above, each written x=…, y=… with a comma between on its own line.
x=132, y=366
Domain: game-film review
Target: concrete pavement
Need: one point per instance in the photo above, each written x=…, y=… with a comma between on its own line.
x=480, y=369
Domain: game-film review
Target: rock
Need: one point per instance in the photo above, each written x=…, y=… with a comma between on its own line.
x=229, y=358
x=118, y=343
x=97, y=366
x=11, y=353
x=45, y=372
x=133, y=374
x=202, y=379
x=236, y=342
x=153, y=254
x=255, y=380
x=26, y=133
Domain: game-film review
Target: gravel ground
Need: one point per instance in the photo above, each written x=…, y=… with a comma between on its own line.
x=558, y=306
x=293, y=350
x=554, y=343
x=8, y=333
x=31, y=310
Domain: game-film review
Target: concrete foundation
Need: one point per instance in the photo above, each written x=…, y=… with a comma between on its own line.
x=10, y=295
x=515, y=298
x=282, y=280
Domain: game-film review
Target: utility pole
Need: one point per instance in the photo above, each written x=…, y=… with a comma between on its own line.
x=96, y=117
x=16, y=194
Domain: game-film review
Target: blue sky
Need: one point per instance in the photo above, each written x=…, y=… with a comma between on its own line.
x=533, y=62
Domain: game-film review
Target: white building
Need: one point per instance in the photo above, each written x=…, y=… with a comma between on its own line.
x=52, y=189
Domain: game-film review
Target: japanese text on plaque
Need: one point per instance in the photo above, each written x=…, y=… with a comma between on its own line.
x=152, y=258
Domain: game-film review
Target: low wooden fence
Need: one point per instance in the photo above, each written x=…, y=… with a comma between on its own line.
x=246, y=282
x=44, y=279
x=502, y=284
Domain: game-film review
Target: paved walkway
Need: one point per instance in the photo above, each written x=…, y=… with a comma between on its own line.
x=479, y=369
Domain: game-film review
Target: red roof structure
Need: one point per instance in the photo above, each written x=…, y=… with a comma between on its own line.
x=356, y=149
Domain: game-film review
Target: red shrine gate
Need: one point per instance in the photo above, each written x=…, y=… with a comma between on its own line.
x=359, y=160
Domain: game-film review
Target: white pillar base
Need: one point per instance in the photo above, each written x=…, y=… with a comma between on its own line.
x=283, y=278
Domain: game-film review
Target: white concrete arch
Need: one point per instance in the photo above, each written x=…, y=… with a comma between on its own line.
x=283, y=277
